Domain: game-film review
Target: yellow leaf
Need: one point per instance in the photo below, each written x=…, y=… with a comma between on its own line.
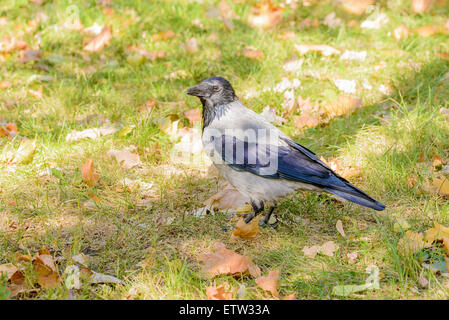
x=438, y=232
x=441, y=185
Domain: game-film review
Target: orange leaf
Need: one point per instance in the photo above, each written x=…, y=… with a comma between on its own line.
x=442, y=55
x=343, y=105
x=421, y=6
x=401, y=32
x=291, y=296
x=228, y=198
x=253, y=53
x=87, y=173
x=264, y=15
x=218, y=293
x=163, y=36
x=306, y=119
x=246, y=230
x=270, y=282
x=100, y=41
x=356, y=7
x=228, y=262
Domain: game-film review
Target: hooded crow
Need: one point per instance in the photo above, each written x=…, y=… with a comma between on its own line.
x=259, y=160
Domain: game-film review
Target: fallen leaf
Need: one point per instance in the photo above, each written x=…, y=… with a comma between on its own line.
x=227, y=262
x=442, y=55
x=343, y=105
x=423, y=282
x=246, y=230
x=287, y=35
x=269, y=282
x=163, y=36
x=356, y=7
x=438, y=232
x=45, y=269
x=264, y=15
x=328, y=248
x=253, y=53
x=8, y=130
x=401, y=32
x=126, y=159
x=228, y=198
x=291, y=296
x=191, y=45
x=36, y=93
x=375, y=21
x=100, y=41
x=9, y=44
x=218, y=293
x=441, y=186
x=324, y=49
x=92, y=133
x=411, y=243
x=88, y=175
x=421, y=6
x=428, y=31
x=340, y=230
x=412, y=180
x=306, y=120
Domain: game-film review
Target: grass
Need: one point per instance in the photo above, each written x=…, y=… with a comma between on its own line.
x=385, y=139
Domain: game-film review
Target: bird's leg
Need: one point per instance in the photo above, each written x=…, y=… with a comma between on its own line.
x=257, y=208
x=267, y=217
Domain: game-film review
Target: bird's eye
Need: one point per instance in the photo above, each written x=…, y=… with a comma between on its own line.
x=216, y=88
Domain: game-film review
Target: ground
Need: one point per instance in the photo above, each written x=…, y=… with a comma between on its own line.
x=45, y=204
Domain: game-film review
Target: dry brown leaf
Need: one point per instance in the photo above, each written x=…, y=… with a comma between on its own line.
x=227, y=262
x=343, y=105
x=264, y=15
x=306, y=120
x=163, y=36
x=324, y=49
x=100, y=41
x=36, y=93
x=270, y=282
x=246, y=230
x=9, y=269
x=126, y=159
x=421, y=6
x=356, y=7
x=437, y=161
x=45, y=269
x=328, y=248
x=88, y=175
x=228, y=198
x=438, y=232
x=218, y=293
x=253, y=53
x=191, y=45
x=411, y=243
x=340, y=229
x=312, y=251
x=401, y=32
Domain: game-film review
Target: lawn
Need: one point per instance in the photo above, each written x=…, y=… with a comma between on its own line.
x=137, y=223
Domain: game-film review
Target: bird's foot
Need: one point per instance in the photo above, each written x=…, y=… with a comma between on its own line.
x=272, y=222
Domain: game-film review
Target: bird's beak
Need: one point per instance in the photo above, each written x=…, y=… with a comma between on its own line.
x=195, y=91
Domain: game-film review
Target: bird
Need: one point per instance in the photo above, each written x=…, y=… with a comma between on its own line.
x=258, y=159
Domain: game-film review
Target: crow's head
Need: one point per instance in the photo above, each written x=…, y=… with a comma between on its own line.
x=215, y=91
